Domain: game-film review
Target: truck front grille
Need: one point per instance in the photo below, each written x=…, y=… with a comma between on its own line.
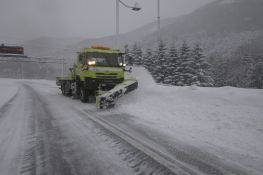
x=106, y=73
x=92, y=83
x=106, y=77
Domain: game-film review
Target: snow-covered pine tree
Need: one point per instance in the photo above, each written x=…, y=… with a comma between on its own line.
x=133, y=53
x=148, y=61
x=186, y=69
x=160, y=70
x=137, y=54
x=174, y=63
x=257, y=76
x=202, y=68
x=154, y=68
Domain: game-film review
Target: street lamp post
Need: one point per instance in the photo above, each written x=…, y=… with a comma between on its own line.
x=134, y=8
x=158, y=20
x=117, y=23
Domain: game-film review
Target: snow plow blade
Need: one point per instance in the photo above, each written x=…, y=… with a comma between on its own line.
x=109, y=98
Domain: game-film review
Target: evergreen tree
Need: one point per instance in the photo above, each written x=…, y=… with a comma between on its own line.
x=220, y=69
x=187, y=70
x=257, y=76
x=168, y=69
x=160, y=71
x=202, y=68
x=137, y=54
x=132, y=54
x=174, y=63
x=148, y=61
x=154, y=68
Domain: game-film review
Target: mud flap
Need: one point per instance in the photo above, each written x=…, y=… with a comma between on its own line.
x=109, y=98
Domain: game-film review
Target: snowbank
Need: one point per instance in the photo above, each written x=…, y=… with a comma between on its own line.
x=228, y=120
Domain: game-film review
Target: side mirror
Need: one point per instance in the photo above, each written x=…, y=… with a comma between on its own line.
x=71, y=69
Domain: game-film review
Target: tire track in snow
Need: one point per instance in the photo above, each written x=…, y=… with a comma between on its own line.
x=207, y=164
x=8, y=104
x=139, y=156
x=12, y=129
x=43, y=154
x=81, y=147
x=184, y=155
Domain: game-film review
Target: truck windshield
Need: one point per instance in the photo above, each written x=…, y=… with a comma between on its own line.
x=102, y=59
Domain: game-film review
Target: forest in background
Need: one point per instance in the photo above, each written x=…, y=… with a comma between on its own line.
x=188, y=65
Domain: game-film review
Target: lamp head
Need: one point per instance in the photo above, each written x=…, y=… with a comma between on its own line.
x=136, y=7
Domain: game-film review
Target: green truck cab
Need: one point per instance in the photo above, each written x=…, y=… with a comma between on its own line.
x=95, y=68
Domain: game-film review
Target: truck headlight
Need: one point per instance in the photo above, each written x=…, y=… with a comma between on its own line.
x=91, y=63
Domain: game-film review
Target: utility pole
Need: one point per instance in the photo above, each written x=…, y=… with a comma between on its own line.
x=158, y=20
x=117, y=23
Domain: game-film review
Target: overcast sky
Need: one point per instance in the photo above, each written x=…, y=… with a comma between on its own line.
x=26, y=19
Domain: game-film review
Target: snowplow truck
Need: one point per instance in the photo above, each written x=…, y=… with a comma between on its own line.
x=97, y=72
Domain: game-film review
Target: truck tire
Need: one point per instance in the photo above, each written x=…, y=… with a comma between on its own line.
x=67, y=89
x=63, y=89
x=83, y=95
x=76, y=90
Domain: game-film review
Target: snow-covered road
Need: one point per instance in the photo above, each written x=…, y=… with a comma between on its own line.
x=38, y=136
x=43, y=132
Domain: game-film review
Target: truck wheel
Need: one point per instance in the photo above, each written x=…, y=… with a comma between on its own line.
x=67, y=89
x=63, y=89
x=83, y=95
